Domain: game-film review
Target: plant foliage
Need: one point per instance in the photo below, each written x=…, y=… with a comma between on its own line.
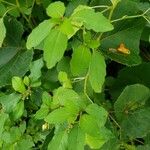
x=74, y=74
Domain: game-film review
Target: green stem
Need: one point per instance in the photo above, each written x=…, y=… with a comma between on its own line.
x=8, y=3
x=24, y=16
x=100, y=6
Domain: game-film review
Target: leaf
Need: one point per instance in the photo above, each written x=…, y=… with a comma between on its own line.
x=42, y=112
x=6, y=54
x=89, y=125
x=96, y=142
x=63, y=78
x=91, y=20
x=56, y=9
x=46, y=98
x=58, y=116
x=76, y=139
x=67, y=28
x=18, y=111
x=59, y=141
x=68, y=98
x=9, y=102
x=35, y=69
x=2, y=31
x=39, y=33
x=123, y=31
x=3, y=118
x=136, y=125
x=131, y=75
x=97, y=112
x=14, y=32
x=80, y=60
x=17, y=66
x=97, y=72
x=54, y=47
x=132, y=98
x=18, y=84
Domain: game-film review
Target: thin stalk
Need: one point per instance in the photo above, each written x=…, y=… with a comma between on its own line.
x=100, y=6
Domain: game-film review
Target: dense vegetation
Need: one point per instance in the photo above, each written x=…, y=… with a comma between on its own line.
x=74, y=74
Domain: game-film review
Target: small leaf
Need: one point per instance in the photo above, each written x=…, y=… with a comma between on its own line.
x=39, y=33
x=2, y=31
x=97, y=72
x=76, y=139
x=56, y=9
x=80, y=60
x=18, y=84
x=46, y=98
x=63, y=78
x=58, y=116
x=54, y=47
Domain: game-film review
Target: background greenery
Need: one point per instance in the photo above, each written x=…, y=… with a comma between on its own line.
x=64, y=83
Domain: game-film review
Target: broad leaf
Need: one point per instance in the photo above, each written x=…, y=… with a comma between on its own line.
x=58, y=116
x=136, y=124
x=56, y=9
x=17, y=66
x=9, y=102
x=14, y=32
x=76, y=139
x=80, y=60
x=2, y=31
x=132, y=98
x=97, y=71
x=54, y=47
x=59, y=141
x=39, y=34
x=99, y=113
x=91, y=20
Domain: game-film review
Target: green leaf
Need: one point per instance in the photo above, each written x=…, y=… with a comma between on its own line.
x=76, y=139
x=9, y=102
x=91, y=20
x=131, y=75
x=99, y=113
x=2, y=31
x=97, y=71
x=54, y=47
x=63, y=78
x=35, y=69
x=18, y=84
x=3, y=118
x=39, y=33
x=6, y=54
x=46, y=98
x=136, y=125
x=18, y=111
x=14, y=33
x=67, y=28
x=56, y=9
x=96, y=142
x=80, y=60
x=58, y=116
x=17, y=66
x=89, y=125
x=42, y=112
x=121, y=34
x=59, y=141
x=68, y=98
x=132, y=98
